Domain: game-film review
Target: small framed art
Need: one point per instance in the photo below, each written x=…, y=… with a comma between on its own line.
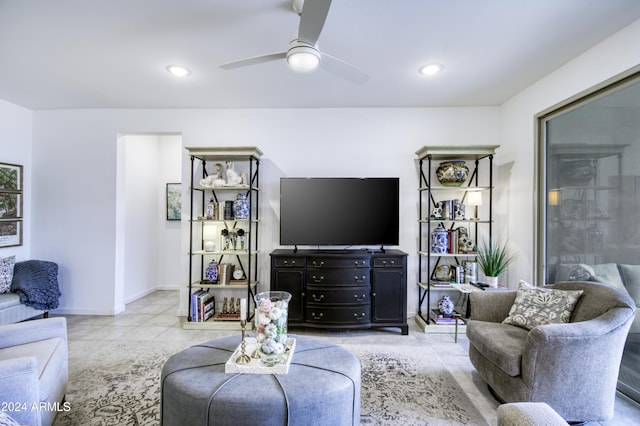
x=174, y=201
x=10, y=205
x=10, y=177
x=10, y=233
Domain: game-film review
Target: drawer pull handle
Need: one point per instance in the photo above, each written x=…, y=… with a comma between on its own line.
x=359, y=279
x=316, y=317
x=286, y=263
x=316, y=298
x=360, y=298
x=317, y=279
x=321, y=263
x=359, y=317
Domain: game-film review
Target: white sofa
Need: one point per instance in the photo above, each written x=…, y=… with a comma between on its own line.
x=12, y=311
x=34, y=290
x=34, y=370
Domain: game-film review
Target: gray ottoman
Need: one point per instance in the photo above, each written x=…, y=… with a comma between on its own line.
x=321, y=388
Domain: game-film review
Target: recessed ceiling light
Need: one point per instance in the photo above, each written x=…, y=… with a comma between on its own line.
x=430, y=69
x=178, y=70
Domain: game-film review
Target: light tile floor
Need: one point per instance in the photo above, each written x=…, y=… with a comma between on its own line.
x=153, y=318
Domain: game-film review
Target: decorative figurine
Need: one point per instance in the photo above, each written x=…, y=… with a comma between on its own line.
x=233, y=178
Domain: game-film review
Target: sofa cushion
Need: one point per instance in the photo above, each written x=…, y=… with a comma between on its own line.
x=8, y=300
x=631, y=277
x=6, y=273
x=606, y=273
x=536, y=306
x=41, y=349
x=501, y=343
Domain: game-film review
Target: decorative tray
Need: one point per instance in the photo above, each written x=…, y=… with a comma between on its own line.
x=254, y=366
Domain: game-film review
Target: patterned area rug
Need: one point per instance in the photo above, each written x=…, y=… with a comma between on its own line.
x=119, y=385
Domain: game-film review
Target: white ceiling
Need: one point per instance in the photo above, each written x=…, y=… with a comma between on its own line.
x=113, y=53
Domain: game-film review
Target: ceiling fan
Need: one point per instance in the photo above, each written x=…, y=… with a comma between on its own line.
x=303, y=53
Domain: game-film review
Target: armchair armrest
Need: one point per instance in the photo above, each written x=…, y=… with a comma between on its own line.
x=577, y=350
x=32, y=331
x=491, y=306
x=19, y=389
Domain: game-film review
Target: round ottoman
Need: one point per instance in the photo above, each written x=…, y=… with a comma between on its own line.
x=321, y=388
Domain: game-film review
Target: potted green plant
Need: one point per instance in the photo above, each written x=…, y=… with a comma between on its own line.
x=493, y=259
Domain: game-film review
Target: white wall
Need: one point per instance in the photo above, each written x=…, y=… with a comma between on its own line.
x=74, y=201
x=313, y=142
x=169, y=231
x=15, y=148
x=516, y=206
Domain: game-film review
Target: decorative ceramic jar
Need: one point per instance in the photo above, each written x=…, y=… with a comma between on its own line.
x=241, y=207
x=439, y=240
x=211, y=273
x=209, y=245
x=452, y=173
x=272, y=311
x=445, y=305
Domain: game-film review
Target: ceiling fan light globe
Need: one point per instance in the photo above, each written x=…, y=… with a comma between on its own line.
x=302, y=58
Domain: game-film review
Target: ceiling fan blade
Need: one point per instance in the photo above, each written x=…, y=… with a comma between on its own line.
x=314, y=13
x=253, y=61
x=343, y=69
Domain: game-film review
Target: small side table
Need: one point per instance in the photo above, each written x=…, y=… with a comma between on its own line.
x=466, y=290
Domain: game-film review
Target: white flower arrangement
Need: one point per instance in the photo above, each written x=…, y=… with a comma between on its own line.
x=271, y=324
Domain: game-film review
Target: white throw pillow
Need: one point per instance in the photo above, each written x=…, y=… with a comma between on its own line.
x=6, y=273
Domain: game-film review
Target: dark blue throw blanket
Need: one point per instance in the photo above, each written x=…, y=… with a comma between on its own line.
x=36, y=282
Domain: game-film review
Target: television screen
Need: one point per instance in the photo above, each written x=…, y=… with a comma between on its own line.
x=339, y=211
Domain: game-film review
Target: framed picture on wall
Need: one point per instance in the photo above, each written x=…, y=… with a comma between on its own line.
x=174, y=201
x=10, y=177
x=10, y=205
x=10, y=233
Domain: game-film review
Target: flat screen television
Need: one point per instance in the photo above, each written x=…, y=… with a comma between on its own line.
x=339, y=211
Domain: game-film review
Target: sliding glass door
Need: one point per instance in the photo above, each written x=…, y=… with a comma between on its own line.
x=589, y=198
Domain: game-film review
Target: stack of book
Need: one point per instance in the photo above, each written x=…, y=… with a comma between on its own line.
x=202, y=306
x=439, y=318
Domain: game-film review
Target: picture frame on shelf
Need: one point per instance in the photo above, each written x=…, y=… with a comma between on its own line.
x=10, y=233
x=11, y=178
x=174, y=201
x=10, y=205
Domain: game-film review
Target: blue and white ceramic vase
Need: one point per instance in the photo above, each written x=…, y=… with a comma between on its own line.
x=439, y=240
x=241, y=207
x=445, y=305
x=211, y=273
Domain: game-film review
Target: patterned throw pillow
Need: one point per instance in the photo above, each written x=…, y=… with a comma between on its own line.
x=536, y=306
x=6, y=273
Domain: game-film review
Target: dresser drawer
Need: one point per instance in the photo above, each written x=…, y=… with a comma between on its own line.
x=337, y=262
x=338, y=277
x=387, y=262
x=338, y=296
x=348, y=315
x=289, y=262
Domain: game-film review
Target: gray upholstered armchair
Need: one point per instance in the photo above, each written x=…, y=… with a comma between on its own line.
x=34, y=369
x=573, y=367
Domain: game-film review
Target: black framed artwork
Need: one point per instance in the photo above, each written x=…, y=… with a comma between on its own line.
x=11, y=184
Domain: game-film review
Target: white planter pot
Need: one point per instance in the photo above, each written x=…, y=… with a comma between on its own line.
x=492, y=282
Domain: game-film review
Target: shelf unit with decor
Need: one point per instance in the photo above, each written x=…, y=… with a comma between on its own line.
x=585, y=220
x=438, y=210
x=219, y=233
